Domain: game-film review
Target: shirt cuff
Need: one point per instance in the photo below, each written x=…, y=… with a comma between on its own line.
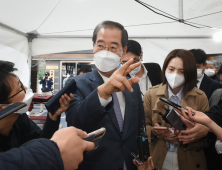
x=104, y=102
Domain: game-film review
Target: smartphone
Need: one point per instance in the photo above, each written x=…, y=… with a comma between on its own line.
x=175, y=120
x=53, y=104
x=11, y=109
x=160, y=128
x=175, y=105
x=96, y=136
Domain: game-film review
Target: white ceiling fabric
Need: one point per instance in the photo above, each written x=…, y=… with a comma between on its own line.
x=20, y=60
x=79, y=18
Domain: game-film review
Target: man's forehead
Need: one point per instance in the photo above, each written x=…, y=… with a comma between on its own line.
x=111, y=33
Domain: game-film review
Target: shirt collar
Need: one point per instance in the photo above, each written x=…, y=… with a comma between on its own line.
x=201, y=78
x=179, y=94
x=103, y=77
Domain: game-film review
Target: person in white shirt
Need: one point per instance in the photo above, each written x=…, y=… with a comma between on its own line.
x=149, y=73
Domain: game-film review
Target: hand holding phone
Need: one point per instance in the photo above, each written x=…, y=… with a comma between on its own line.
x=175, y=105
x=160, y=132
x=96, y=136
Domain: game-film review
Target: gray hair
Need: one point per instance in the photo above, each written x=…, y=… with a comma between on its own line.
x=111, y=25
x=214, y=62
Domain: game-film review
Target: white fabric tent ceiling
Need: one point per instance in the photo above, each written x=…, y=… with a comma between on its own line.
x=67, y=25
x=72, y=17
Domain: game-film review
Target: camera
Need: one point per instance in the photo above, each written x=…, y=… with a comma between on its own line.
x=46, y=77
x=143, y=145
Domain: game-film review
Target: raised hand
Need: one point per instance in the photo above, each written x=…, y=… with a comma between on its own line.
x=198, y=117
x=118, y=81
x=64, y=105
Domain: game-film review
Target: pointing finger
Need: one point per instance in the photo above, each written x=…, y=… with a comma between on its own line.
x=125, y=66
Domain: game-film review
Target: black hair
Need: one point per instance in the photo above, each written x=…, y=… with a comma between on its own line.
x=199, y=55
x=134, y=47
x=189, y=67
x=111, y=25
x=6, y=69
x=84, y=70
x=220, y=70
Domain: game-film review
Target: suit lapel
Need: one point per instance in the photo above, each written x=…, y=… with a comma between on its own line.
x=97, y=81
x=204, y=84
x=128, y=110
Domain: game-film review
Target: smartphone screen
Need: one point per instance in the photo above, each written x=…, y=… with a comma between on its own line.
x=175, y=121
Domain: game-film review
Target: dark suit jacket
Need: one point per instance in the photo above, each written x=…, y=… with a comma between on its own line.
x=209, y=86
x=153, y=72
x=85, y=112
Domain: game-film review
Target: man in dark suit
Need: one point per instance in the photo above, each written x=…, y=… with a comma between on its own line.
x=106, y=98
x=204, y=83
x=149, y=73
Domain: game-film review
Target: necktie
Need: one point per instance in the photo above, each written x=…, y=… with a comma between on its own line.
x=119, y=118
x=118, y=113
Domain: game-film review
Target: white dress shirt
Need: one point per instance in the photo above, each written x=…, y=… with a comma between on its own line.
x=120, y=97
x=144, y=82
x=199, y=81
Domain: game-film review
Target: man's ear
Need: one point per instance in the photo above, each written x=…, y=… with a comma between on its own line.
x=205, y=65
x=124, y=50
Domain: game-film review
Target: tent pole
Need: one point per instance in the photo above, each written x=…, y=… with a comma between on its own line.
x=181, y=10
x=30, y=38
x=13, y=29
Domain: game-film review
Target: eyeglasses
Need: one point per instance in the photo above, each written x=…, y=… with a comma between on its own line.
x=112, y=48
x=135, y=60
x=23, y=89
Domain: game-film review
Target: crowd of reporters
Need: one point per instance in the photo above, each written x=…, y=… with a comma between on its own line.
x=120, y=94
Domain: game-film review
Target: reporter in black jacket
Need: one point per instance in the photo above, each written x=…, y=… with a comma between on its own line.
x=17, y=128
x=63, y=151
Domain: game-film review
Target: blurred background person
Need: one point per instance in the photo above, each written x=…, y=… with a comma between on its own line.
x=216, y=97
x=84, y=70
x=149, y=73
x=65, y=79
x=204, y=83
x=211, y=70
x=47, y=83
x=179, y=77
x=17, y=128
x=219, y=73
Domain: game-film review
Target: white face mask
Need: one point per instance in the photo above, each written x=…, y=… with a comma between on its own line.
x=199, y=73
x=27, y=99
x=136, y=70
x=174, y=80
x=209, y=72
x=106, y=61
x=68, y=76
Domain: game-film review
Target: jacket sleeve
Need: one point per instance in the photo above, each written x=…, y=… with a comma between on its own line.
x=41, y=81
x=148, y=113
x=38, y=154
x=85, y=112
x=50, y=127
x=50, y=81
x=203, y=142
